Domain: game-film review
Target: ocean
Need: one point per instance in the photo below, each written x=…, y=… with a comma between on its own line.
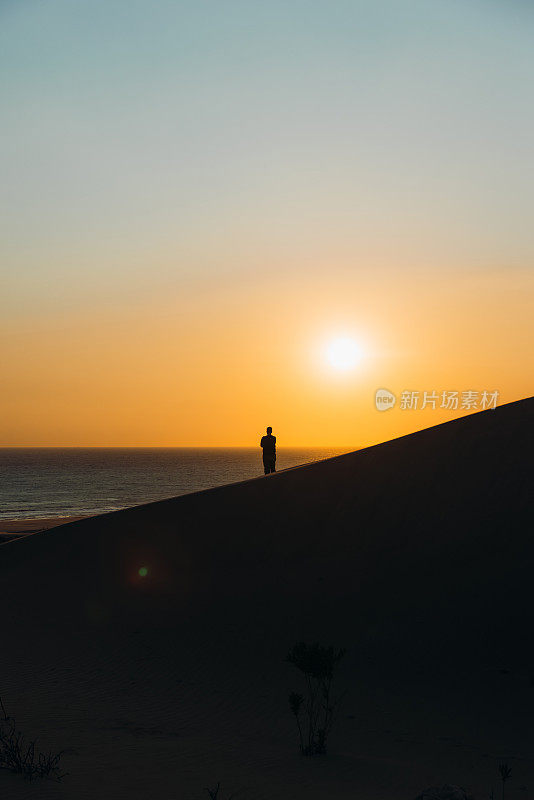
x=37, y=483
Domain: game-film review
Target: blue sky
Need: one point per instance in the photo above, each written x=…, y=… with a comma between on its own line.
x=131, y=124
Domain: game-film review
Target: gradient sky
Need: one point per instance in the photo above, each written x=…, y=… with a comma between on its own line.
x=197, y=196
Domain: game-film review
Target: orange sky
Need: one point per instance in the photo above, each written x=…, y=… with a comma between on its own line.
x=217, y=370
x=197, y=197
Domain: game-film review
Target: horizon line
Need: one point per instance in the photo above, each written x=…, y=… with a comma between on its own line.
x=165, y=446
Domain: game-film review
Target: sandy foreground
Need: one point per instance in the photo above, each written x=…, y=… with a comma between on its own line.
x=415, y=555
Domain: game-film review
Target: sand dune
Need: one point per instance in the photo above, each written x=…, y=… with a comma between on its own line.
x=415, y=555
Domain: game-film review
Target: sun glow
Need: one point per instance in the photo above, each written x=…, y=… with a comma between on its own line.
x=343, y=353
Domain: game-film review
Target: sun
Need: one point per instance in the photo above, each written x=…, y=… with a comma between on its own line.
x=343, y=353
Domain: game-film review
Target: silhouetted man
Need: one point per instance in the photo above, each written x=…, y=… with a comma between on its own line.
x=269, y=451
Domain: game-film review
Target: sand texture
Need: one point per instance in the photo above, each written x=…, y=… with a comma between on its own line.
x=416, y=555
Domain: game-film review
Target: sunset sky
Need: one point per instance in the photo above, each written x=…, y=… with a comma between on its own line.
x=198, y=198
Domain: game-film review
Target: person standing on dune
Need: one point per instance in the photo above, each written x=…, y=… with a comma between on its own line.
x=268, y=443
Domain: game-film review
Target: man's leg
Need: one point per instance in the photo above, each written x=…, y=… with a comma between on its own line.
x=266, y=467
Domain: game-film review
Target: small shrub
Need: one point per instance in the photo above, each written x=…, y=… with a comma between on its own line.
x=317, y=706
x=214, y=793
x=504, y=771
x=19, y=755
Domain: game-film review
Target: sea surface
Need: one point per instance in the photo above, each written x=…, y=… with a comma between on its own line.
x=36, y=483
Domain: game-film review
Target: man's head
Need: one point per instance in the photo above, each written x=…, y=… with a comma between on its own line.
x=269, y=430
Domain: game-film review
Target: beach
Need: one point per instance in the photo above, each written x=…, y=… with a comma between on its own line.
x=12, y=528
x=150, y=643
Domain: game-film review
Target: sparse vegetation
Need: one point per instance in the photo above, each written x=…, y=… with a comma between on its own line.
x=214, y=793
x=314, y=711
x=19, y=755
x=504, y=771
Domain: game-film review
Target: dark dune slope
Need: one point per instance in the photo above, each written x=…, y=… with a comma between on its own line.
x=416, y=555
x=436, y=523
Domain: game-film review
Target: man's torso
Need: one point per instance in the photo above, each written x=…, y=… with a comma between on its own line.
x=269, y=447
